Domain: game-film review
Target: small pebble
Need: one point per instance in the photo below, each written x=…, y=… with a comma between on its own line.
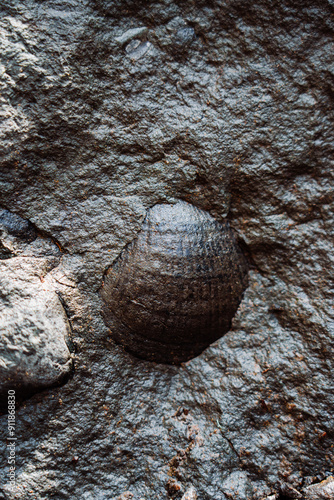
x=183, y=38
x=17, y=226
x=139, y=50
x=132, y=46
x=131, y=34
x=190, y=494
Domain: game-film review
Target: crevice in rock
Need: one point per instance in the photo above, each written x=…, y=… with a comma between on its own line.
x=69, y=341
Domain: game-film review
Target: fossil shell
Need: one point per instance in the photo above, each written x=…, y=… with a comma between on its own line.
x=175, y=289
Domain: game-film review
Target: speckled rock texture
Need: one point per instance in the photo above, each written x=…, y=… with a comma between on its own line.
x=33, y=328
x=109, y=108
x=35, y=334
x=321, y=491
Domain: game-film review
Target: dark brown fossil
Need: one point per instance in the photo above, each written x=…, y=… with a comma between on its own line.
x=175, y=289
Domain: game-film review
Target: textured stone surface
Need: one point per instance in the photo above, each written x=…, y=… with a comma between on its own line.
x=35, y=332
x=321, y=491
x=237, y=120
x=190, y=494
x=33, y=328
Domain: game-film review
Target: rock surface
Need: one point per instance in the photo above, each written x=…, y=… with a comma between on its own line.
x=190, y=494
x=320, y=491
x=226, y=105
x=33, y=328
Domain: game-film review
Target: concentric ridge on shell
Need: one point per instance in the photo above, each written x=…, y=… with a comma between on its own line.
x=175, y=289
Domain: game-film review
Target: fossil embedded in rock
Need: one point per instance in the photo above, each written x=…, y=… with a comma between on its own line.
x=175, y=289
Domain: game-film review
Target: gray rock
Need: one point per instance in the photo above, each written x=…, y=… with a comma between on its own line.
x=190, y=494
x=131, y=34
x=137, y=49
x=17, y=226
x=320, y=491
x=132, y=46
x=34, y=328
x=183, y=38
x=238, y=124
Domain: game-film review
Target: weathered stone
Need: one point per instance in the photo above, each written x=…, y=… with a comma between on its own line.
x=17, y=226
x=33, y=328
x=131, y=34
x=239, y=123
x=190, y=494
x=320, y=491
x=183, y=38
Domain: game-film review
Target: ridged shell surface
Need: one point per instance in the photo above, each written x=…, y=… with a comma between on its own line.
x=175, y=289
